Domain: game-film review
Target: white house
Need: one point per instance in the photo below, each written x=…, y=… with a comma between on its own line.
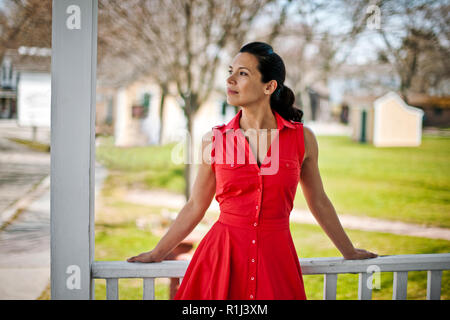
x=25, y=72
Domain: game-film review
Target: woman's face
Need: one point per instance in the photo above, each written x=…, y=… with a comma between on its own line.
x=244, y=86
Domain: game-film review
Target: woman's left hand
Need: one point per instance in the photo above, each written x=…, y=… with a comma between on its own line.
x=360, y=254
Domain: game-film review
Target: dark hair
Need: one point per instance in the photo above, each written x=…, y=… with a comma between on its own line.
x=272, y=67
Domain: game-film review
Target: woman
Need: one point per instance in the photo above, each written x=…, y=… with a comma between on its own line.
x=249, y=253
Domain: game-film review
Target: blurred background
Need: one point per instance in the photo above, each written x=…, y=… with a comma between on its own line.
x=371, y=77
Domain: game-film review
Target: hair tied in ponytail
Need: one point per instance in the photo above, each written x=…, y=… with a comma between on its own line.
x=279, y=91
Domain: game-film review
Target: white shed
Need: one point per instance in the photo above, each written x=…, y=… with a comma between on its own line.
x=396, y=123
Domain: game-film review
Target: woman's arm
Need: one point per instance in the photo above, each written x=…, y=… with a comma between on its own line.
x=320, y=205
x=192, y=212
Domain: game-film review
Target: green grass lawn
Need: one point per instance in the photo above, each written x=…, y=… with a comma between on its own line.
x=141, y=167
x=406, y=184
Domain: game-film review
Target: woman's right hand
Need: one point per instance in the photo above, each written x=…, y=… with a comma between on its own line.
x=360, y=254
x=145, y=257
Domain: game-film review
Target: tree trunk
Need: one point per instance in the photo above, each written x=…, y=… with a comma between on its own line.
x=161, y=112
x=304, y=101
x=189, y=166
x=403, y=90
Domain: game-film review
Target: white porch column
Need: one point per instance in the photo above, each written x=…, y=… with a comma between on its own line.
x=74, y=58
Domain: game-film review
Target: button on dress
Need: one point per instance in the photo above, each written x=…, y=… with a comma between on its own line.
x=249, y=254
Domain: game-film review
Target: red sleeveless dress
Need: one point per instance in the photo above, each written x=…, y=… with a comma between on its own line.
x=249, y=254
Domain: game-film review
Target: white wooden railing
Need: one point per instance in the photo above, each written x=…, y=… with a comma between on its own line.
x=434, y=264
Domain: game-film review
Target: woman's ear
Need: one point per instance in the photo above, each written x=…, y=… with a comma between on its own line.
x=270, y=87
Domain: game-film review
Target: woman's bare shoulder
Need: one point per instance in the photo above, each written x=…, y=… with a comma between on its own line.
x=310, y=140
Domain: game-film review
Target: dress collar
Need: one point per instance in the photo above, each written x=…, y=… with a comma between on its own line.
x=281, y=122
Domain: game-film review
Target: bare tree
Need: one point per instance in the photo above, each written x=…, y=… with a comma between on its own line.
x=25, y=23
x=419, y=54
x=182, y=40
x=314, y=44
x=415, y=34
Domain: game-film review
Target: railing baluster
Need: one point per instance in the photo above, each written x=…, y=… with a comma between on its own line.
x=364, y=292
x=434, y=285
x=329, y=286
x=400, y=285
x=149, y=289
x=112, y=289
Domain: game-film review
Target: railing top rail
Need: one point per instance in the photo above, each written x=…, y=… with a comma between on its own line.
x=173, y=269
x=123, y=269
x=391, y=263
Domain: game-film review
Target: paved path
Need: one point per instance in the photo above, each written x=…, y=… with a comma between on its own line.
x=25, y=251
x=25, y=246
x=21, y=169
x=176, y=202
x=24, y=218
